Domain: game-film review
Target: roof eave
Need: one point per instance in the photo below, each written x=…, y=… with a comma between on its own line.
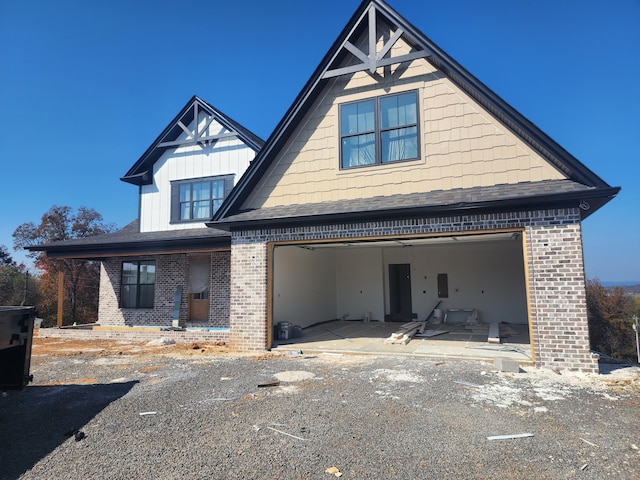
x=132, y=248
x=599, y=197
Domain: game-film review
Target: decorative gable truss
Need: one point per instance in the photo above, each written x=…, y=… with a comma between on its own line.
x=198, y=123
x=198, y=132
x=379, y=51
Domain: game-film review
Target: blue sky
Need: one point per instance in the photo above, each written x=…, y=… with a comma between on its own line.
x=85, y=87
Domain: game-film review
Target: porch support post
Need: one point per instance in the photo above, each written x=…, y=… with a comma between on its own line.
x=60, y=296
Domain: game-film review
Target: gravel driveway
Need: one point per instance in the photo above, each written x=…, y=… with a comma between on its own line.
x=172, y=415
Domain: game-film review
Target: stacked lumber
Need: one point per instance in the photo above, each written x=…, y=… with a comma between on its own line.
x=404, y=334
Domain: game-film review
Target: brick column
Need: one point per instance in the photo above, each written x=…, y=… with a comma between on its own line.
x=560, y=330
x=248, y=309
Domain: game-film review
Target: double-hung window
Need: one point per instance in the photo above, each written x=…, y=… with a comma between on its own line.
x=379, y=130
x=198, y=199
x=138, y=284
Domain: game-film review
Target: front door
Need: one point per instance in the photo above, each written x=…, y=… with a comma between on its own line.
x=400, y=288
x=199, y=288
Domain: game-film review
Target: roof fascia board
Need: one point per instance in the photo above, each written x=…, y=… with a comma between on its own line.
x=572, y=199
x=115, y=249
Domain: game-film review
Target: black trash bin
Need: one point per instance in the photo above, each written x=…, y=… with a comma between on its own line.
x=16, y=335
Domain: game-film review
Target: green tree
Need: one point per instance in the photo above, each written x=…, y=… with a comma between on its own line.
x=81, y=277
x=5, y=257
x=17, y=286
x=610, y=314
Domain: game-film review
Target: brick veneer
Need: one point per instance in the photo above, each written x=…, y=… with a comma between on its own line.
x=555, y=275
x=171, y=271
x=135, y=336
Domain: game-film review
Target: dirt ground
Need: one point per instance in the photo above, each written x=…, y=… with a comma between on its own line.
x=146, y=410
x=60, y=347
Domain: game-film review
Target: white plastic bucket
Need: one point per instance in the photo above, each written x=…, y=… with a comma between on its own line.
x=437, y=315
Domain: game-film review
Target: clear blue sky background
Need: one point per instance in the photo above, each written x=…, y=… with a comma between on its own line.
x=86, y=86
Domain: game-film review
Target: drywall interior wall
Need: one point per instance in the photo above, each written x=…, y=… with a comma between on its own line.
x=304, y=285
x=488, y=276
x=313, y=285
x=359, y=280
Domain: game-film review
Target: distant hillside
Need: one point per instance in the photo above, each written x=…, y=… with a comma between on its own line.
x=631, y=283
x=630, y=288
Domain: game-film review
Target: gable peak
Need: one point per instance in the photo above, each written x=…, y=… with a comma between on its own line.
x=366, y=48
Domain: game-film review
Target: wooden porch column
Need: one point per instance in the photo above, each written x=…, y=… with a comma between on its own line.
x=60, y=296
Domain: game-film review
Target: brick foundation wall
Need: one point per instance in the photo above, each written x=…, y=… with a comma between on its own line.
x=171, y=271
x=555, y=275
x=134, y=336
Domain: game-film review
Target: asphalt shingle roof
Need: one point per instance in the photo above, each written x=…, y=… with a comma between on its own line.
x=456, y=199
x=130, y=240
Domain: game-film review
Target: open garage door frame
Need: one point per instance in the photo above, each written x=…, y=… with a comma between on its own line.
x=395, y=250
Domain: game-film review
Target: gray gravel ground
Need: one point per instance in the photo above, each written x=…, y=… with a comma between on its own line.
x=369, y=417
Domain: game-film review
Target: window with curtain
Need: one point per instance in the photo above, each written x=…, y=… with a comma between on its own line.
x=379, y=130
x=138, y=284
x=198, y=199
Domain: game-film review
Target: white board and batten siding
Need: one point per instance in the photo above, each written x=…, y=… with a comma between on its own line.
x=227, y=156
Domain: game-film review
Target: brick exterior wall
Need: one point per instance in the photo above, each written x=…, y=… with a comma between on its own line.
x=171, y=271
x=248, y=313
x=134, y=336
x=555, y=276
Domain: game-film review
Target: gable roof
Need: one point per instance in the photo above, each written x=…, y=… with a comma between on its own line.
x=141, y=172
x=336, y=62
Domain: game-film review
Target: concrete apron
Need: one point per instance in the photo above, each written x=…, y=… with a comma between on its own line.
x=357, y=337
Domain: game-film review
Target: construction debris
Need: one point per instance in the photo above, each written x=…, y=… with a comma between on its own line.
x=77, y=434
x=509, y=437
x=270, y=384
x=404, y=334
x=494, y=333
x=588, y=442
x=467, y=384
x=285, y=433
x=506, y=365
x=430, y=333
x=333, y=471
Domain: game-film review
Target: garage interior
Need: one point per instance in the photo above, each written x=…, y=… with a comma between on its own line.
x=351, y=296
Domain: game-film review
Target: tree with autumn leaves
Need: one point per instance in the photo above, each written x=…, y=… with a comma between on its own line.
x=81, y=277
x=610, y=312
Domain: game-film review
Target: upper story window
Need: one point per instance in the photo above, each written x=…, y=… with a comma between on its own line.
x=138, y=284
x=379, y=130
x=198, y=199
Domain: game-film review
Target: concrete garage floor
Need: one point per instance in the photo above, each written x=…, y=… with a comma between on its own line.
x=460, y=342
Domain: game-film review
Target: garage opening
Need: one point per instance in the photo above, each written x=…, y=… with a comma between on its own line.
x=354, y=295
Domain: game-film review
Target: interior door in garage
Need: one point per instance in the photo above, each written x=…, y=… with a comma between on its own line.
x=400, y=288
